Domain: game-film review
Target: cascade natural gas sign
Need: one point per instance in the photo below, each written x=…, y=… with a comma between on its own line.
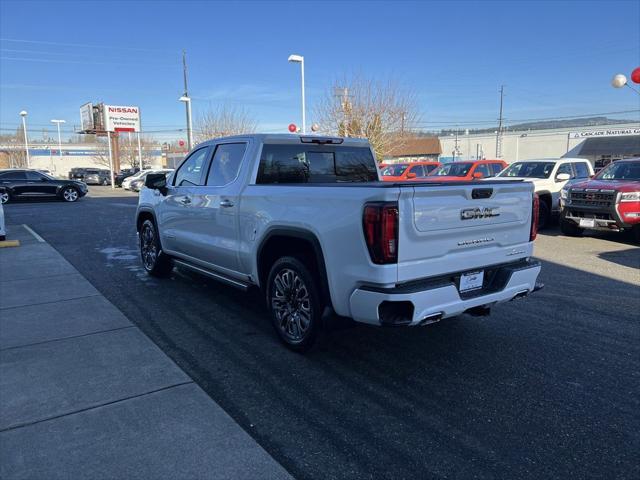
x=605, y=133
x=121, y=119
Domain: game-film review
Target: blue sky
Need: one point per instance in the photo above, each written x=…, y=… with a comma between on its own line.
x=555, y=58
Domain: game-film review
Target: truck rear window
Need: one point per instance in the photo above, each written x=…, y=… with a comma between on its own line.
x=315, y=164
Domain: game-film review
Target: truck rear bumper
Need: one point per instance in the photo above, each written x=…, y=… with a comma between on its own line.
x=432, y=299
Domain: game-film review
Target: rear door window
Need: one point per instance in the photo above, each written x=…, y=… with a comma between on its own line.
x=225, y=164
x=315, y=164
x=13, y=176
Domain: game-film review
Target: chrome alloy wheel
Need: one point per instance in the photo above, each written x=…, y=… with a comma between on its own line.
x=148, y=248
x=291, y=304
x=70, y=194
x=4, y=197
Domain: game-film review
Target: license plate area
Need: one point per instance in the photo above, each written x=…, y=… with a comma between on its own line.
x=471, y=281
x=587, y=222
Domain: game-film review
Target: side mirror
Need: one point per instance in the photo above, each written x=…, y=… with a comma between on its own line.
x=562, y=177
x=478, y=175
x=411, y=175
x=156, y=181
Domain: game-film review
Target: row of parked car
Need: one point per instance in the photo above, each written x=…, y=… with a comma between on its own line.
x=128, y=178
x=568, y=188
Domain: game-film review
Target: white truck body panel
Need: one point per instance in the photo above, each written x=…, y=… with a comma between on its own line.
x=433, y=239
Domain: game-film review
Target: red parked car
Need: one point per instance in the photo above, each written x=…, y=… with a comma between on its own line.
x=609, y=201
x=467, y=171
x=401, y=172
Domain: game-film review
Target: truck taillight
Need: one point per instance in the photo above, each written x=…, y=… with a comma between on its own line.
x=380, y=225
x=535, y=215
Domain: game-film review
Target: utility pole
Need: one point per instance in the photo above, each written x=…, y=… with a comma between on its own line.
x=499, y=131
x=187, y=103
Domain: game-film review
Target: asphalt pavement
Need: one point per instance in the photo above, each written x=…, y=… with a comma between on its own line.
x=548, y=386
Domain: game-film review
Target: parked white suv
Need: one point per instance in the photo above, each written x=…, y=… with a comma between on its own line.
x=549, y=176
x=307, y=220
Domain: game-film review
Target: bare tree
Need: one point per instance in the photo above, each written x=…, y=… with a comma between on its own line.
x=128, y=151
x=362, y=107
x=223, y=121
x=15, y=153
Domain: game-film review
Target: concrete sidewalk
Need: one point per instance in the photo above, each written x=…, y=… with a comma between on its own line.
x=85, y=394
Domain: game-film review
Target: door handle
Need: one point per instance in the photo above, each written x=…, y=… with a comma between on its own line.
x=185, y=201
x=226, y=203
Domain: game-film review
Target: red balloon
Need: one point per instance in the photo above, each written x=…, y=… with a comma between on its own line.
x=181, y=143
x=293, y=128
x=635, y=75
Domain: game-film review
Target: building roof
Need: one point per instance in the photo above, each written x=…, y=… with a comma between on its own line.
x=417, y=146
x=623, y=145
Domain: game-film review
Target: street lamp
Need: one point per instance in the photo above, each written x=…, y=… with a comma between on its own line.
x=23, y=114
x=58, y=122
x=300, y=59
x=187, y=101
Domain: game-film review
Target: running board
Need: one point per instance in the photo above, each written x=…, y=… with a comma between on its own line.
x=216, y=276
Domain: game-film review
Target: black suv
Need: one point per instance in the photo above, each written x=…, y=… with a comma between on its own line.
x=31, y=183
x=124, y=173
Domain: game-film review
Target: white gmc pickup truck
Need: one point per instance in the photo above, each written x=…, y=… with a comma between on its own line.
x=307, y=220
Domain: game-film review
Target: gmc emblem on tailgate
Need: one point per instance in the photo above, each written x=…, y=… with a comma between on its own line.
x=487, y=212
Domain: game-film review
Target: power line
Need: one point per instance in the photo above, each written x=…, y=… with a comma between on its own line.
x=80, y=45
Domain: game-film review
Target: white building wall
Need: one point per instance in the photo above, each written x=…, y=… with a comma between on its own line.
x=521, y=145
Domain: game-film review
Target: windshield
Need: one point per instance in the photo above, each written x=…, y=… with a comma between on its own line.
x=620, y=171
x=452, y=170
x=529, y=170
x=394, y=170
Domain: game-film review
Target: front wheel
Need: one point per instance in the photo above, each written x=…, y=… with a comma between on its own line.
x=543, y=215
x=636, y=233
x=154, y=260
x=70, y=194
x=295, y=304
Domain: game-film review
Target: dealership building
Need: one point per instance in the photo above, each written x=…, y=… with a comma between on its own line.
x=601, y=144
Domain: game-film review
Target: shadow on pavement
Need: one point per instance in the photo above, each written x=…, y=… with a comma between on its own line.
x=627, y=258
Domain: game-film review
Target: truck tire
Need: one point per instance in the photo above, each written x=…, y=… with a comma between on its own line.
x=544, y=215
x=155, y=262
x=569, y=228
x=294, y=303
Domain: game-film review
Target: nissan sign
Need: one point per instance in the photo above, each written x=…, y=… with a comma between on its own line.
x=121, y=119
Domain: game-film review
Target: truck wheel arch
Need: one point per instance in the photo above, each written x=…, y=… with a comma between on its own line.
x=289, y=241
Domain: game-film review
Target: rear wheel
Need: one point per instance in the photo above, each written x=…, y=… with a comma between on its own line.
x=295, y=304
x=70, y=194
x=154, y=260
x=105, y=182
x=4, y=196
x=569, y=228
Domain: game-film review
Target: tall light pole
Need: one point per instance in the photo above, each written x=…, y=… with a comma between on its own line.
x=58, y=122
x=23, y=114
x=187, y=100
x=300, y=59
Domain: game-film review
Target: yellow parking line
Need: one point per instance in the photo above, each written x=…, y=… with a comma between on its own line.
x=9, y=243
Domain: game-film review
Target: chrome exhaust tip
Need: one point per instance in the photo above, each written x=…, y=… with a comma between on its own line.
x=433, y=318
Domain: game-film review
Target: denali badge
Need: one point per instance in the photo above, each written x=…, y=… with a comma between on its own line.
x=469, y=213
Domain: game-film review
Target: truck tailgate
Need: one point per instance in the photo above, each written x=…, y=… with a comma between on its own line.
x=459, y=227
